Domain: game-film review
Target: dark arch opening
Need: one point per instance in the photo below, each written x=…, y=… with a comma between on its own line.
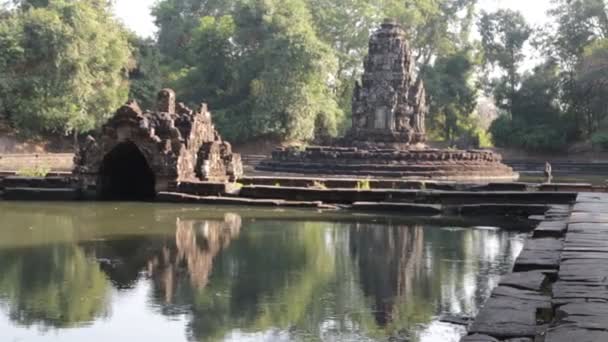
x=126, y=176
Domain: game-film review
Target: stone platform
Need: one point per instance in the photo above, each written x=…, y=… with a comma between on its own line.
x=559, y=289
x=393, y=163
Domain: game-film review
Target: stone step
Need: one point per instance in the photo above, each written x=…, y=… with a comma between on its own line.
x=401, y=208
x=539, y=254
x=41, y=194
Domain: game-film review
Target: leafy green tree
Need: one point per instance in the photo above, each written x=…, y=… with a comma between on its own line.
x=262, y=69
x=62, y=65
x=578, y=23
x=591, y=87
x=453, y=95
x=538, y=122
x=503, y=36
x=177, y=20
x=145, y=77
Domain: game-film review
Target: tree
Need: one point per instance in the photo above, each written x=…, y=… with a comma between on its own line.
x=591, y=87
x=145, y=77
x=452, y=94
x=62, y=65
x=578, y=23
x=177, y=20
x=263, y=70
x=503, y=35
x=538, y=122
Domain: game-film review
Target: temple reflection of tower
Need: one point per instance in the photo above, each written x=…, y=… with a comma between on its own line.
x=389, y=258
x=191, y=255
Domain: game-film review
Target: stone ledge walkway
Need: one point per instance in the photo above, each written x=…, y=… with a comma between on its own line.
x=559, y=289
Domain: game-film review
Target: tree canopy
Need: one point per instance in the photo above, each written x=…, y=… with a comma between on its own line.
x=285, y=70
x=62, y=65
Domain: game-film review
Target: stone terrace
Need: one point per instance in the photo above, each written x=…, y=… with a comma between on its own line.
x=559, y=289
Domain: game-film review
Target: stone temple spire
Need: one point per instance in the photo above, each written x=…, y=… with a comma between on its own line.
x=389, y=105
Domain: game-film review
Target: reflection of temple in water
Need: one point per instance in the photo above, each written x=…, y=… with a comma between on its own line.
x=187, y=255
x=197, y=243
x=389, y=259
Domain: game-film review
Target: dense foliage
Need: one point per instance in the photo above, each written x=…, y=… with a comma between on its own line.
x=61, y=65
x=561, y=101
x=285, y=69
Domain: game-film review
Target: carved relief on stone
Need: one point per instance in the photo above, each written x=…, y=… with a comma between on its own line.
x=389, y=99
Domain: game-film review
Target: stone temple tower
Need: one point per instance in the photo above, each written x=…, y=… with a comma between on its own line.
x=388, y=136
x=389, y=105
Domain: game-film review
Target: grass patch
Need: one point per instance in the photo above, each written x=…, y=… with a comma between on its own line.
x=37, y=171
x=364, y=184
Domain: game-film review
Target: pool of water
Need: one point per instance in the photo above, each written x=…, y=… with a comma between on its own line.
x=144, y=272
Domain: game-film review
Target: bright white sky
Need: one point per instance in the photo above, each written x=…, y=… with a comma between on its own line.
x=136, y=13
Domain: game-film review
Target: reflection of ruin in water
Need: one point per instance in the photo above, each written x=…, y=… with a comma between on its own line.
x=197, y=243
x=389, y=259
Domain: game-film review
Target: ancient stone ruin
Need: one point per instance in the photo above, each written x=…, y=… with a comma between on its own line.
x=140, y=153
x=388, y=129
x=389, y=106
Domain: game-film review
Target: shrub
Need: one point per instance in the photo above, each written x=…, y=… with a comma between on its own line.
x=600, y=140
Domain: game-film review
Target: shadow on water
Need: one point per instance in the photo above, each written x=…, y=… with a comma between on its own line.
x=235, y=276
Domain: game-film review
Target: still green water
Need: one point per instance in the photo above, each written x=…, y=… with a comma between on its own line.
x=144, y=272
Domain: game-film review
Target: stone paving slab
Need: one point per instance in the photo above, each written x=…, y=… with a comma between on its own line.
x=580, y=295
x=568, y=291
x=511, y=314
x=574, y=247
x=575, y=333
x=592, y=198
x=584, y=313
x=589, y=207
x=542, y=253
x=585, y=217
x=555, y=229
x=532, y=280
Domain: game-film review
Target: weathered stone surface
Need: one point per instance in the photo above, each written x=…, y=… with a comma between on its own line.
x=37, y=182
x=543, y=253
x=584, y=313
x=41, y=194
x=575, y=333
x=478, y=338
x=202, y=188
x=553, y=229
x=566, y=290
x=401, y=208
x=178, y=144
x=171, y=197
x=511, y=313
x=425, y=163
x=565, y=187
x=503, y=209
x=389, y=106
x=532, y=280
x=579, y=296
x=589, y=207
x=592, y=198
x=583, y=217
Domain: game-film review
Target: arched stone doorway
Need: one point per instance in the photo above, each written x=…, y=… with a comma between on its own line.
x=125, y=175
